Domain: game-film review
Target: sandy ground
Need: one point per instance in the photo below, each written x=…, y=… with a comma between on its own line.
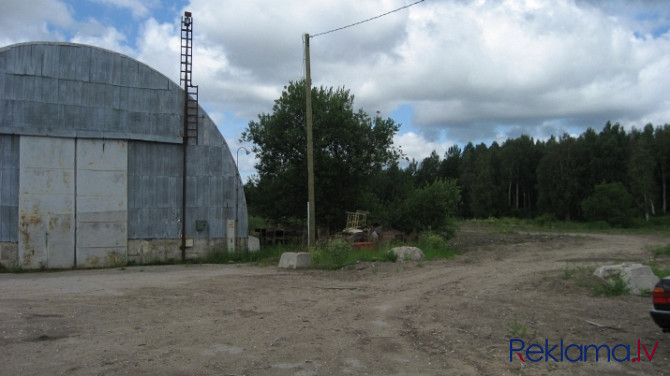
x=447, y=317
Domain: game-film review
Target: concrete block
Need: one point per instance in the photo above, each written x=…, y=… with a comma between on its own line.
x=254, y=244
x=408, y=253
x=295, y=260
x=638, y=277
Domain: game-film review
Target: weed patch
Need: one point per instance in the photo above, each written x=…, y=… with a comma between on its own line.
x=434, y=246
x=516, y=329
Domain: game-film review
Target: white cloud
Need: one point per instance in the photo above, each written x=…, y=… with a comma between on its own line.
x=95, y=34
x=138, y=8
x=24, y=21
x=417, y=147
x=476, y=69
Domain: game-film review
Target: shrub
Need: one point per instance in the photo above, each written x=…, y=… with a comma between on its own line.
x=331, y=255
x=434, y=246
x=431, y=207
x=610, y=202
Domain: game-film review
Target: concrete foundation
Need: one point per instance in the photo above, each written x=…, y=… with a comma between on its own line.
x=295, y=260
x=140, y=251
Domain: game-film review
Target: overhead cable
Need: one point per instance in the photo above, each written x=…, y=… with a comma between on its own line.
x=367, y=20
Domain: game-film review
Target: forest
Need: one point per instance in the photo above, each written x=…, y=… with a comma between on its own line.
x=614, y=175
x=607, y=175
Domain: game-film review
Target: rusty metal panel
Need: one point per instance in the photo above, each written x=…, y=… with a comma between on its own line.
x=46, y=202
x=102, y=231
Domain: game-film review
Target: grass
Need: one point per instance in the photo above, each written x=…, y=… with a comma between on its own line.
x=337, y=254
x=659, y=264
x=583, y=276
x=550, y=222
x=434, y=246
x=616, y=286
x=516, y=329
x=267, y=255
x=662, y=251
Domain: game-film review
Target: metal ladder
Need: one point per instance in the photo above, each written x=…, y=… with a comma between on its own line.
x=190, y=90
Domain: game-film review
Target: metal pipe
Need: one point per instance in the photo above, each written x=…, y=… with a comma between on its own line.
x=237, y=194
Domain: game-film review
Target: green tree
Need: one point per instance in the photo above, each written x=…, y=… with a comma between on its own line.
x=449, y=165
x=641, y=168
x=519, y=160
x=610, y=202
x=428, y=170
x=349, y=147
x=558, y=178
x=431, y=207
x=662, y=156
x=477, y=179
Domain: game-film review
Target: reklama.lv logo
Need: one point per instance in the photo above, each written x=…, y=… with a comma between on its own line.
x=577, y=353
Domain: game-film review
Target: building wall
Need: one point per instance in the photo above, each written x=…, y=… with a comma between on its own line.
x=118, y=126
x=9, y=189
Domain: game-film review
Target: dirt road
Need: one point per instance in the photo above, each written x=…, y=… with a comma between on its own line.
x=448, y=317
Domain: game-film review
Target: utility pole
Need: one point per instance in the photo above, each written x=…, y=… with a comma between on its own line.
x=311, y=220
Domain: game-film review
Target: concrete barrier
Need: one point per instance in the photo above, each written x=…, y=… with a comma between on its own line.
x=295, y=260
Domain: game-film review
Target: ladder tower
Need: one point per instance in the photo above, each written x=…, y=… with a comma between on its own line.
x=185, y=79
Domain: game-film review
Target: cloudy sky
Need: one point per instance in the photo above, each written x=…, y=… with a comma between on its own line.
x=450, y=71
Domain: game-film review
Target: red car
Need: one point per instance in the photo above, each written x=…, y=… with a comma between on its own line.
x=661, y=311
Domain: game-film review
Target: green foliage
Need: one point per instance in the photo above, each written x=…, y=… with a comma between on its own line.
x=662, y=250
x=610, y=203
x=516, y=329
x=614, y=287
x=338, y=250
x=257, y=222
x=434, y=246
x=331, y=255
x=565, y=178
x=660, y=270
x=431, y=207
x=583, y=276
x=349, y=147
x=546, y=219
x=338, y=253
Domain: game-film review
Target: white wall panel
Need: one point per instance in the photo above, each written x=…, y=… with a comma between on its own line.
x=102, y=202
x=46, y=202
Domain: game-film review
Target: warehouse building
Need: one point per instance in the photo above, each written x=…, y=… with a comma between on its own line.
x=92, y=164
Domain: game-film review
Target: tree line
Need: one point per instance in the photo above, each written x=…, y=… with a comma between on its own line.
x=559, y=177
x=612, y=175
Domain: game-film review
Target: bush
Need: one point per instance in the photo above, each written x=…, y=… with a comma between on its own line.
x=610, y=202
x=614, y=287
x=546, y=219
x=434, y=246
x=331, y=255
x=431, y=207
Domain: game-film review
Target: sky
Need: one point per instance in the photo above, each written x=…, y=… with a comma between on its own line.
x=449, y=71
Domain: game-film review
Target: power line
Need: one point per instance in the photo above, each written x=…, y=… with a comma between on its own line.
x=367, y=20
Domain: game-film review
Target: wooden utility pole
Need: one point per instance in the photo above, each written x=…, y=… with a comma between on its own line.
x=311, y=220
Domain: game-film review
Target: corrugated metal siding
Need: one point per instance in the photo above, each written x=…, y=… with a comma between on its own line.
x=154, y=190
x=57, y=89
x=9, y=188
x=76, y=91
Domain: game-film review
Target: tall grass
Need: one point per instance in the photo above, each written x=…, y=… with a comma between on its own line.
x=434, y=246
x=267, y=255
x=338, y=253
